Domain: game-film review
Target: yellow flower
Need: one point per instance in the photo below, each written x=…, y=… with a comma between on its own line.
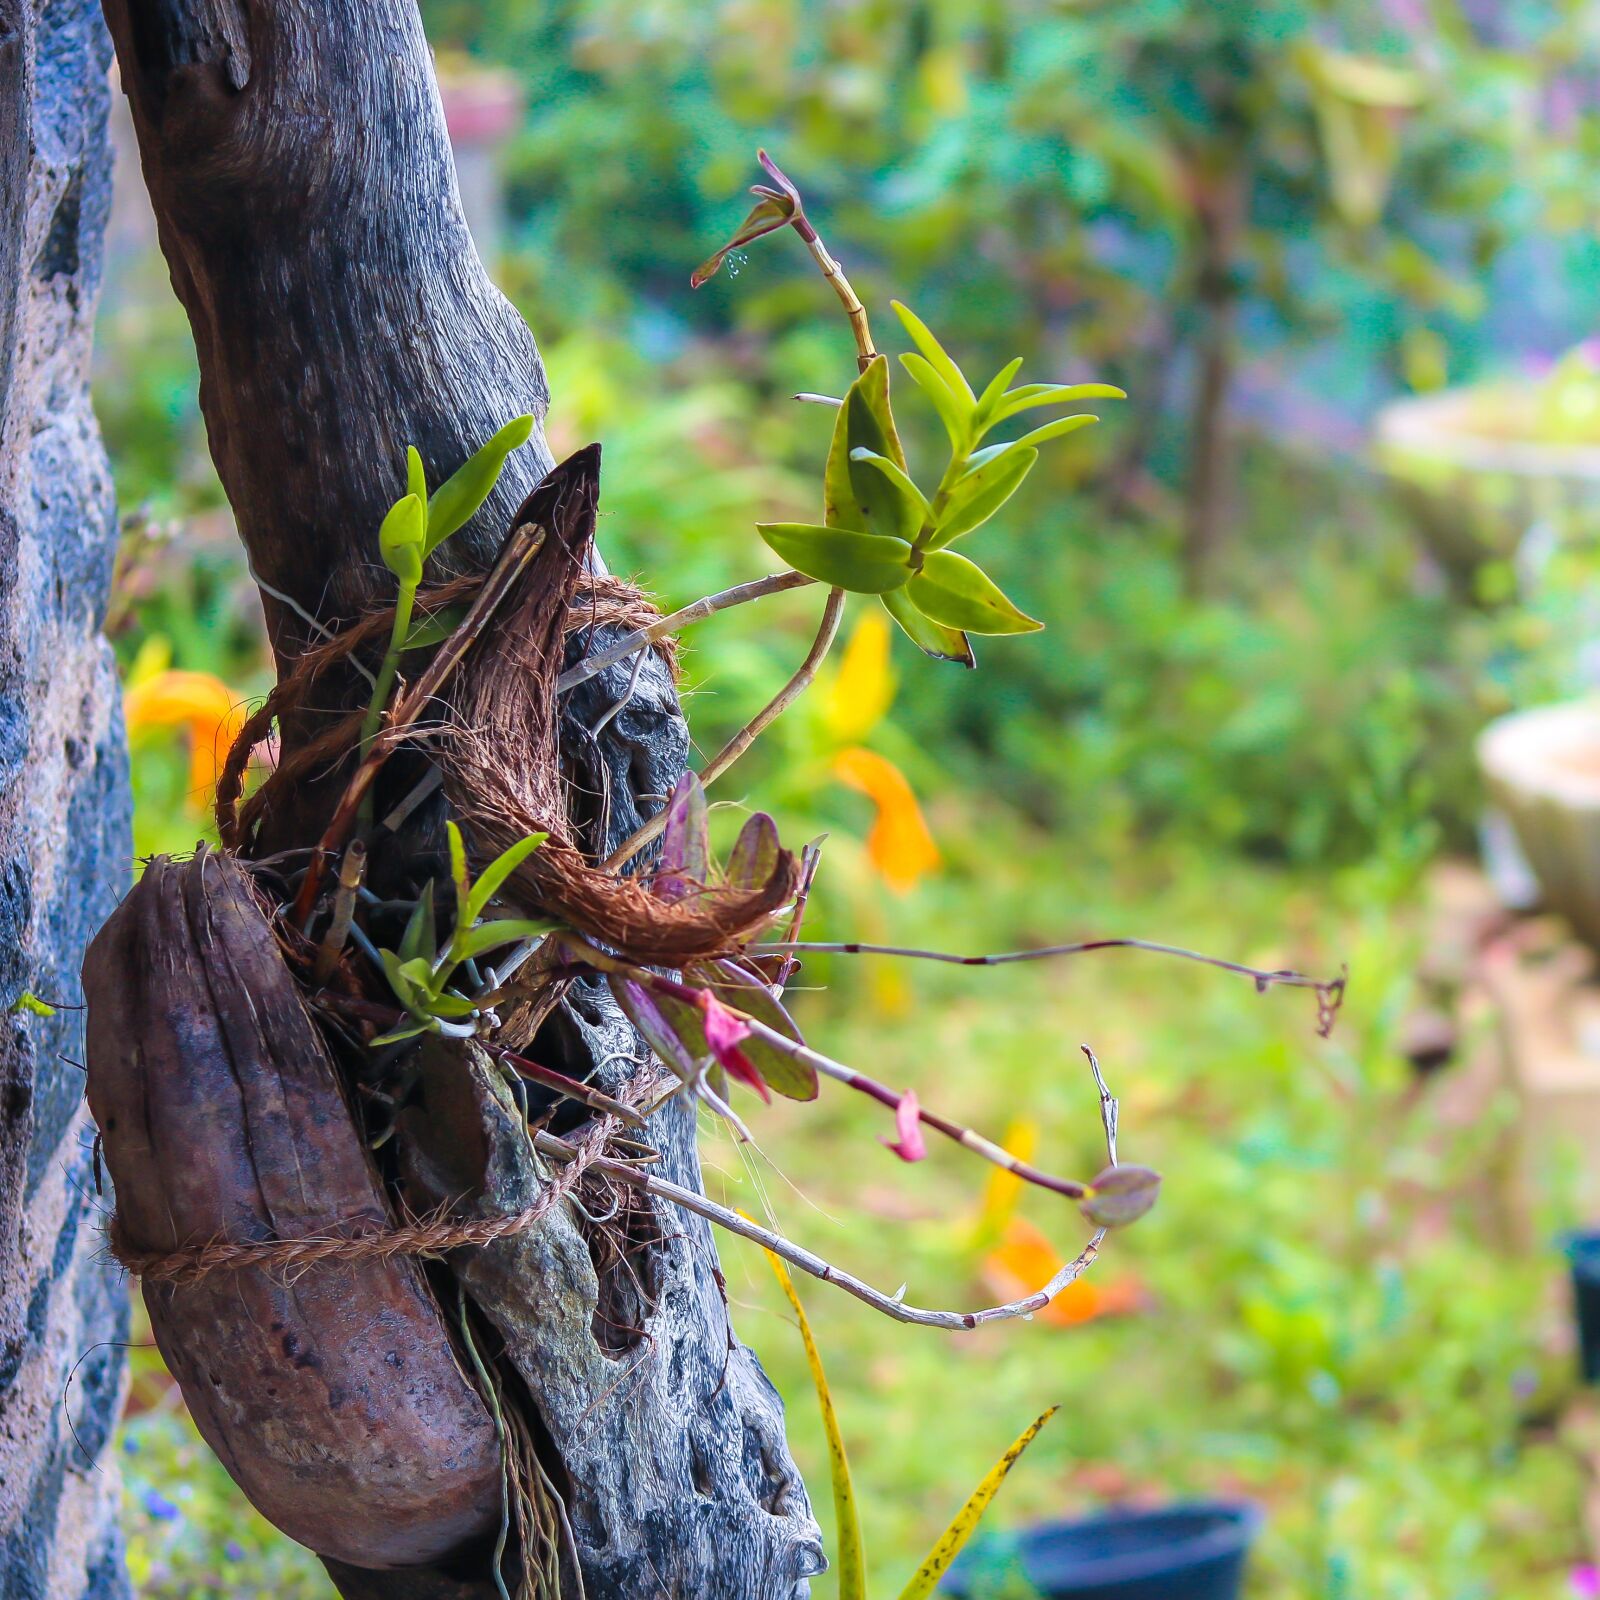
x=862, y=692
x=899, y=844
x=1025, y=1259
x=198, y=702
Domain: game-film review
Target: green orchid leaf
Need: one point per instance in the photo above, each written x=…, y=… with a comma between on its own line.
x=460, y=876
x=948, y=1546
x=980, y=494
x=491, y=935
x=409, y=1031
x=993, y=394
x=460, y=495
x=952, y=590
x=29, y=1004
x=418, y=971
x=400, y=540
x=864, y=563
x=951, y=413
x=493, y=877
x=421, y=936
x=930, y=637
x=754, y=857
x=408, y=993
x=1052, y=394
x=434, y=628
x=853, y=494
x=949, y=374
x=416, y=475
x=912, y=505
x=453, y=1006
x=1054, y=430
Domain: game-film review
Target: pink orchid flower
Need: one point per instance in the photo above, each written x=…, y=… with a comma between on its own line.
x=908, y=1124
x=725, y=1032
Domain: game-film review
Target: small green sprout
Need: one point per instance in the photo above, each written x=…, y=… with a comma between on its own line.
x=29, y=1004
x=421, y=974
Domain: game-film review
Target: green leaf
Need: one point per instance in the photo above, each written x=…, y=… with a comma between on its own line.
x=853, y=494
x=421, y=936
x=460, y=495
x=495, y=874
x=913, y=507
x=950, y=375
x=30, y=1003
x=1120, y=1195
x=409, y=1031
x=453, y=1006
x=416, y=475
x=434, y=628
x=794, y=1080
x=485, y=936
x=992, y=395
x=851, y=1558
x=1052, y=394
x=400, y=540
x=930, y=637
x=950, y=411
x=754, y=857
x=405, y=991
x=948, y=1546
x=958, y=593
x=460, y=876
x=864, y=563
x=1053, y=430
x=980, y=494
x=419, y=971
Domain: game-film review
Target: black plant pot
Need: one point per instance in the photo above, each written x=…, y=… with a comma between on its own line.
x=1583, y=1257
x=1193, y=1551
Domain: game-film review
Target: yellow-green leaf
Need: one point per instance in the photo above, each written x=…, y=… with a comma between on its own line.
x=980, y=494
x=854, y=494
x=955, y=419
x=960, y=594
x=850, y=1558
x=400, y=540
x=493, y=876
x=930, y=637
x=937, y=357
x=460, y=495
x=864, y=563
x=937, y=1561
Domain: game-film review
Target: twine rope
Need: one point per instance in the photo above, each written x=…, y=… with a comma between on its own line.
x=426, y=1237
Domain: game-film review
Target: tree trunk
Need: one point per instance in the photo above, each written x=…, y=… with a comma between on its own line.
x=296, y=156
x=1210, y=486
x=64, y=836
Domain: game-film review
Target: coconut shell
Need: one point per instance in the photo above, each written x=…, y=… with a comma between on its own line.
x=336, y=1400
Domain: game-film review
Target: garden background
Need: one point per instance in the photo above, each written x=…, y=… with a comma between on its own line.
x=1248, y=728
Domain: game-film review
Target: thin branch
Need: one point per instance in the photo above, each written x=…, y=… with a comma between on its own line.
x=520, y=548
x=752, y=730
x=757, y=589
x=825, y=1066
x=1329, y=991
x=797, y=1256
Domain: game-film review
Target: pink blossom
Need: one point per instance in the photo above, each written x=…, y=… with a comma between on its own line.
x=1584, y=1582
x=908, y=1124
x=725, y=1032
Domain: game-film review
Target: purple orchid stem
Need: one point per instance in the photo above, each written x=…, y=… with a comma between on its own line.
x=1329, y=991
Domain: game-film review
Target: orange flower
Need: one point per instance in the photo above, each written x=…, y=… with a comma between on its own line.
x=899, y=844
x=198, y=702
x=1025, y=1259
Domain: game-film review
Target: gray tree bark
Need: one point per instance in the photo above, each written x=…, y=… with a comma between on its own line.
x=64, y=838
x=296, y=157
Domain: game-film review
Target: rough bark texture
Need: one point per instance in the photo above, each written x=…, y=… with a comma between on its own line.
x=296, y=155
x=64, y=840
